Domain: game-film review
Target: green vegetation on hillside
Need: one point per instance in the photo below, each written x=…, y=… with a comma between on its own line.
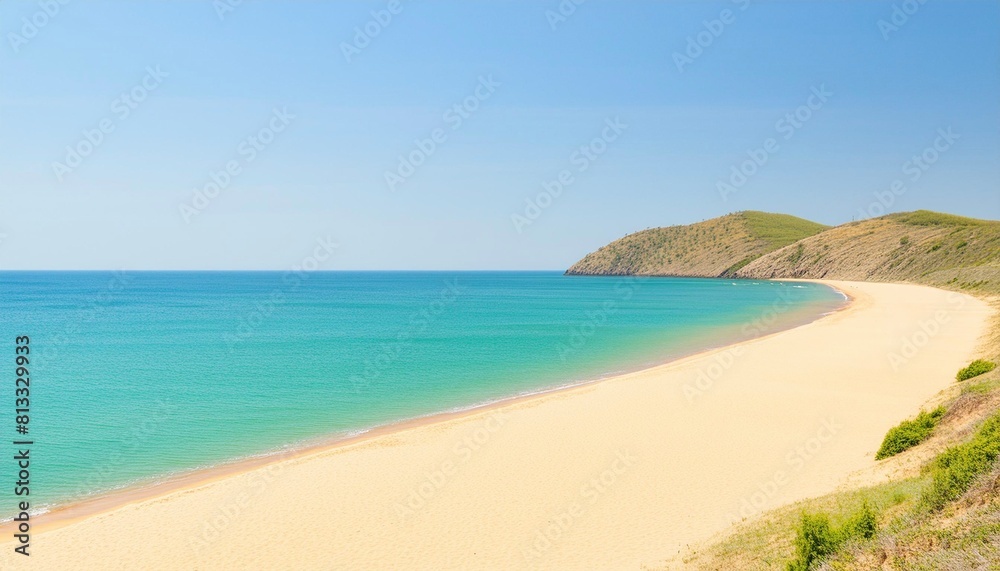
x=909, y=433
x=817, y=539
x=954, y=470
x=929, y=218
x=936, y=249
x=713, y=248
x=925, y=247
x=944, y=516
x=975, y=368
x=780, y=230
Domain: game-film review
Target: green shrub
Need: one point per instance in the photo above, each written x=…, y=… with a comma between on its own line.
x=956, y=468
x=863, y=524
x=904, y=240
x=975, y=368
x=909, y=433
x=817, y=539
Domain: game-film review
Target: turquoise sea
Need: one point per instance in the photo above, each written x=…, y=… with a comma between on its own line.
x=139, y=375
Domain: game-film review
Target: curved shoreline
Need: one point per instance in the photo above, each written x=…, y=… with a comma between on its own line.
x=68, y=513
x=630, y=470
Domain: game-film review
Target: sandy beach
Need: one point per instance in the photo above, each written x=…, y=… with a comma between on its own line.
x=619, y=474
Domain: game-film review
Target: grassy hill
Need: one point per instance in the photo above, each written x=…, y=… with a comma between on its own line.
x=713, y=248
x=922, y=247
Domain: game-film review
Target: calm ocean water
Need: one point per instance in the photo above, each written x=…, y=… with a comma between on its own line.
x=138, y=375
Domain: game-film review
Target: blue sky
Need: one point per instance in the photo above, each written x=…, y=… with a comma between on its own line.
x=310, y=134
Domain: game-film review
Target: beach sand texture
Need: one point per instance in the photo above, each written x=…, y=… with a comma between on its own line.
x=613, y=475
